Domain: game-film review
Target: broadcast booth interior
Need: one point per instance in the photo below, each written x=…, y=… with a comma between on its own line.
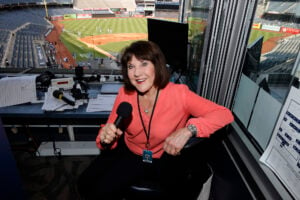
x=243, y=55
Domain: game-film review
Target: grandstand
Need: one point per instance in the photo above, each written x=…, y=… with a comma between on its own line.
x=282, y=10
x=130, y=5
x=277, y=66
x=28, y=25
x=280, y=16
x=282, y=7
x=4, y=35
x=21, y=17
x=169, y=5
x=25, y=3
x=276, y=60
x=146, y=7
x=27, y=41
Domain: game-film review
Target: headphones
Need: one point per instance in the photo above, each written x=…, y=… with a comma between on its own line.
x=77, y=92
x=44, y=79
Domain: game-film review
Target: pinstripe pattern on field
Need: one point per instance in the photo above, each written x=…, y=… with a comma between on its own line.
x=81, y=28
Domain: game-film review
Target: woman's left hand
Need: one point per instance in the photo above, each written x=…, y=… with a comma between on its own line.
x=175, y=142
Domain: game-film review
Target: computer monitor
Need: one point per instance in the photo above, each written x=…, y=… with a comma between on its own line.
x=172, y=38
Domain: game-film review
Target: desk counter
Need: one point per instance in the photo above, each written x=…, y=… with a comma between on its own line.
x=33, y=114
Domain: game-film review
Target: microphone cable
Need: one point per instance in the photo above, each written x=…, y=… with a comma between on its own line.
x=56, y=150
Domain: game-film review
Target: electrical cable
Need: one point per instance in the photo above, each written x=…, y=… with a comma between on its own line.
x=56, y=151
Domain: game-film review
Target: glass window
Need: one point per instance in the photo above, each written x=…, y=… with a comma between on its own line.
x=59, y=37
x=271, y=63
x=197, y=18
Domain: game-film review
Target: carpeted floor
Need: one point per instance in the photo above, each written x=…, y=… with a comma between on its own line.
x=50, y=178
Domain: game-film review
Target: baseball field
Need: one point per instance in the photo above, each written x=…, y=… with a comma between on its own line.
x=83, y=39
x=103, y=36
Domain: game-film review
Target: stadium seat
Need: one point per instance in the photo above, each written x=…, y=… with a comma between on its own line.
x=196, y=172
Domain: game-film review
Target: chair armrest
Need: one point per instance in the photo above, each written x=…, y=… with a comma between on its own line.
x=193, y=142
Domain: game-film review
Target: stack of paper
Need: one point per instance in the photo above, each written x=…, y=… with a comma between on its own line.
x=53, y=104
x=17, y=90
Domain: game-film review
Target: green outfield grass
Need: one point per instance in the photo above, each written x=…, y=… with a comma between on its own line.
x=89, y=27
x=255, y=34
x=116, y=46
x=196, y=27
x=78, y=49
x=92, y=27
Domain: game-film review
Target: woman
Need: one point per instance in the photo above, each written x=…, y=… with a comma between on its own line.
x=164, y=117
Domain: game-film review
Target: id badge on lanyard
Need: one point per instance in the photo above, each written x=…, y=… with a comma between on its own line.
x=147, y=156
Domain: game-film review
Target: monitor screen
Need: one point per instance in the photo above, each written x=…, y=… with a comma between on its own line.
x=172, y=38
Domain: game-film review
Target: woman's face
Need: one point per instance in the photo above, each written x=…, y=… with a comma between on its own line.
x=141, y=74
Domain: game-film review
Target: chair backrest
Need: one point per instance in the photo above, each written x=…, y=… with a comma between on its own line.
x=149, y=188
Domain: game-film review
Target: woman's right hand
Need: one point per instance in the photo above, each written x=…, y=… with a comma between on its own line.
x=108, y=134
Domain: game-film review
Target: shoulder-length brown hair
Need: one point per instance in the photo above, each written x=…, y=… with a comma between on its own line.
x=145, y=50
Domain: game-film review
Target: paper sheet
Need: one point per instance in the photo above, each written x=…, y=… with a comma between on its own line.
x=101, y=103
x=17, y=90
x=53, y=104
x=282, y=155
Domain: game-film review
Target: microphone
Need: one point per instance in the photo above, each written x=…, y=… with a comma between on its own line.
x=124, y=110
x=60, y=95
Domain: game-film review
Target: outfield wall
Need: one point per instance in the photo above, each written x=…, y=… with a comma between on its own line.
x=80, y=16
x=290, y=30
x=276, y=28
x=84, y=16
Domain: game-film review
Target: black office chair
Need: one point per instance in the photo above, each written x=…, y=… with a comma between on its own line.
x=195, y=174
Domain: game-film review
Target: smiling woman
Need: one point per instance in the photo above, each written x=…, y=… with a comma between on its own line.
x=143, y=142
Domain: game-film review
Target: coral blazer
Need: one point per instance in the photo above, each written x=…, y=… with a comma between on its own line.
x=176, y=107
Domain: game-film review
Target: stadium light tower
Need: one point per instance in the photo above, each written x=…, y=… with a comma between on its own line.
x=45, y=3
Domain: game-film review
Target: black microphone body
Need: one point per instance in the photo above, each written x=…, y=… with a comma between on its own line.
x=118, y=121
x=60, y=95
x=124, y=110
